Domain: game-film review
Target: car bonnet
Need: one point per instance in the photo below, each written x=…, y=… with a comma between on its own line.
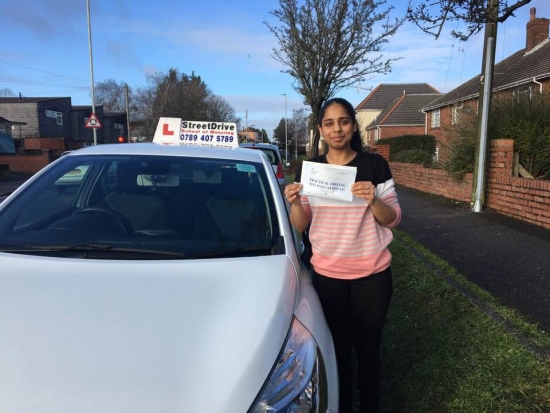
x=140, y=336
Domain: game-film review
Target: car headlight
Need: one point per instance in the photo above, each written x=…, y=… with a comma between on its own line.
x=297, y=383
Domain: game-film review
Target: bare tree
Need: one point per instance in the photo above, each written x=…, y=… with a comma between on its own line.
x=6, y=92
x=299, y=123
x=431, y=16
x=111, y=95
x=219, y=110
x=179, y=95
x=329, y=45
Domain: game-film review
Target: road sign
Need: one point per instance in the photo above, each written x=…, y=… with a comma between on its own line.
x=93, y=122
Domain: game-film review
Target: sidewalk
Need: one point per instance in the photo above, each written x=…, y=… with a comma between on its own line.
x=506, y=257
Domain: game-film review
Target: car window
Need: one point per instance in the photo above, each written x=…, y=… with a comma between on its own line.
x=74, y=176
x=270, y=153
x=183, y=205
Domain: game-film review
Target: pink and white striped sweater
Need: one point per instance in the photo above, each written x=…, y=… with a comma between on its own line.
x=347, y=241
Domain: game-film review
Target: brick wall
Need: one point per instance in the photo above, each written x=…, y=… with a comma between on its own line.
x=440, y=133
x=393, y=131
x=28, y=164
x=73, y=146
x=433, y=181
x=520, y=198
x=44, y=143
x=525, y=199
x=383, y=150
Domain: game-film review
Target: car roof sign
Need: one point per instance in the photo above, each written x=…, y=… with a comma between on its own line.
x=176, y=131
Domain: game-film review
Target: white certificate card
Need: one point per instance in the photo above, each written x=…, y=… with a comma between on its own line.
x=328, y=181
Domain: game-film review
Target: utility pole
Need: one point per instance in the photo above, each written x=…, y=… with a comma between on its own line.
x=485, y=93
x=286, y=131
x=127, y=110
x=246, y=125
x=91, y=65
x=295, y=140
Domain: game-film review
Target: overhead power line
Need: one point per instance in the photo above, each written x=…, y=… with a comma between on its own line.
x=42, y=71
x=32, y=83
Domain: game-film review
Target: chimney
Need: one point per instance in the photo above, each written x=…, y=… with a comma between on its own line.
x=537, y=30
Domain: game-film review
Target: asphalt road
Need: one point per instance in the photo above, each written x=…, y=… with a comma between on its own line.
x=506, y=257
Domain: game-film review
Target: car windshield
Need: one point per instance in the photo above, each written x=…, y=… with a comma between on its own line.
x=142, y=206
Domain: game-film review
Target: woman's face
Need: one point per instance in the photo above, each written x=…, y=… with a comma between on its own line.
x=337, y=127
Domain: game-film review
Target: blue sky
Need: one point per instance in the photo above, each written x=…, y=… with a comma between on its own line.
x=45, y=50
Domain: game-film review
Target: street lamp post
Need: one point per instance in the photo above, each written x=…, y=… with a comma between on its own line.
x=295, y=140
x=91, y=65
x=286, y=131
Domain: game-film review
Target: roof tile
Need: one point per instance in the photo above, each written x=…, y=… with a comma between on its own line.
x=405, y=110
x=385, y=93
x=517, y=69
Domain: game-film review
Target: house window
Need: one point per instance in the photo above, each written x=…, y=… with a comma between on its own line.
x=435, y=118
x=2, y=128
x=55, y=114
x=119, y=126
x=457, y=109
x=523, y=92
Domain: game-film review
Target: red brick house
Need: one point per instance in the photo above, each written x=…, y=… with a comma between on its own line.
x=249, y=135
x=403, y=116
x=522, y=74
x=383, y=95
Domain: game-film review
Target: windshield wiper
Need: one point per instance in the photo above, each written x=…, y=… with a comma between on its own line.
x=92, y=247
x=232, y=252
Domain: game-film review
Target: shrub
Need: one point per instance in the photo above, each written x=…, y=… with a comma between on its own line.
x=526, y=121
x=461, y=159
x=426, y=143
x=418, y=156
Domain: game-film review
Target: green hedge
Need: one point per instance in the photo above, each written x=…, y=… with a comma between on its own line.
x=397, y=144
x=411, y=148
x=418, y=156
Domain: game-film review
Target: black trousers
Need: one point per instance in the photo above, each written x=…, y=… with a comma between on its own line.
x=355, y=311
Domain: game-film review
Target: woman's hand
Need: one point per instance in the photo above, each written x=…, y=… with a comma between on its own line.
x=384, y=214
x=298, y=217
x=292, y=194
x=365, y=190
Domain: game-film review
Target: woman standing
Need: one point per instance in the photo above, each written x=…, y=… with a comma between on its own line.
x=351, y=260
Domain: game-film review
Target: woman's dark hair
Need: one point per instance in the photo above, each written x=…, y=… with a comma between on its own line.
x=356, y=142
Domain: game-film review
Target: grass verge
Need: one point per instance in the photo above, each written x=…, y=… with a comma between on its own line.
x=446, y=351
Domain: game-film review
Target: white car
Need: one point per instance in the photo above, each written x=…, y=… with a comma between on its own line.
x=164, y=279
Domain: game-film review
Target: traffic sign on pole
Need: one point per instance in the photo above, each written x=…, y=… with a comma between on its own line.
x=93, y=122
